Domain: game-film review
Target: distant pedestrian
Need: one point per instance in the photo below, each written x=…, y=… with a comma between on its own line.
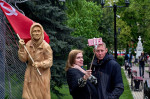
x=126, y=57
x=133, y=60
x=126, y=61
x=130, y=59
x=142, y=60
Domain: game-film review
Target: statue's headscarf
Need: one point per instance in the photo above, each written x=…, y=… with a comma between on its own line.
x=37, y=43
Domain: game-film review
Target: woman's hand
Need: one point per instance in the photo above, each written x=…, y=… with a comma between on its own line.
x=79, y=68
x=88, y=74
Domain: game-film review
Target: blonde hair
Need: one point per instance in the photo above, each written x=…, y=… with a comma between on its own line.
x=103, y=44
x=71, y=58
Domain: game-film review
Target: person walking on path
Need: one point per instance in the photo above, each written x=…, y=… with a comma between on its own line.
x=130, y=59
x=126, y=57
x=142, y=60
x=126, y=60
x=133, y=60
x=108, y=73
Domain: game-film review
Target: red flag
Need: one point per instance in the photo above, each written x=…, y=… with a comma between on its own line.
x=20, y=23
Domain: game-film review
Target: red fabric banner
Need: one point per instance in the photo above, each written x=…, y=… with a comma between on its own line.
x=20, y=23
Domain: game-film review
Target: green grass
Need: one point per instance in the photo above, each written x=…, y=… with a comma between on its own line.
x=126, y=94
x=64, y=90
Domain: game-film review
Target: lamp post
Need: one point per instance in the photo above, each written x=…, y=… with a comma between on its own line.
x=115, y=10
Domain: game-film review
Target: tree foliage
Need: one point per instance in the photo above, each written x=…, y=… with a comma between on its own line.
x=124, y=34
x=84, y=17
x=107, y=27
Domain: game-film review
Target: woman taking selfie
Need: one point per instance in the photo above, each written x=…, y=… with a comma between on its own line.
x=81, y=82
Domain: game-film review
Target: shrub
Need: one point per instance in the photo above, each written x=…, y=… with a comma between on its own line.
x=120, y=60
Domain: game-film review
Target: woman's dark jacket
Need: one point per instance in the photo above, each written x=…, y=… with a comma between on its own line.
x=108, y=74
x=86, y=92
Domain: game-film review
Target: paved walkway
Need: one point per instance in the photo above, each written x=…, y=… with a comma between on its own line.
x=137, y=94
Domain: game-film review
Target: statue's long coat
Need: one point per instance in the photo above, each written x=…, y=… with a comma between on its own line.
x=36, y=86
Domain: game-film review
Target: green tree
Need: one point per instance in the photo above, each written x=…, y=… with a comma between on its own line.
x=124, y=36
x=85, y=18
x=107, y=27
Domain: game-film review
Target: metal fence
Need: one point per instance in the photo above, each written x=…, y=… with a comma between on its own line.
x=2, y=59
x=11, y=68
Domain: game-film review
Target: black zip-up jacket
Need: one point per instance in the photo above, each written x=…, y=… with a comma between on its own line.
x=108, y=74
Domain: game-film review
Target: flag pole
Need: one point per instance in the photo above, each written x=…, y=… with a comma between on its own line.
x=30, y=56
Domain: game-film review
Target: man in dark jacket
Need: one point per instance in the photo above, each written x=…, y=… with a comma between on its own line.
x=108, y=73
